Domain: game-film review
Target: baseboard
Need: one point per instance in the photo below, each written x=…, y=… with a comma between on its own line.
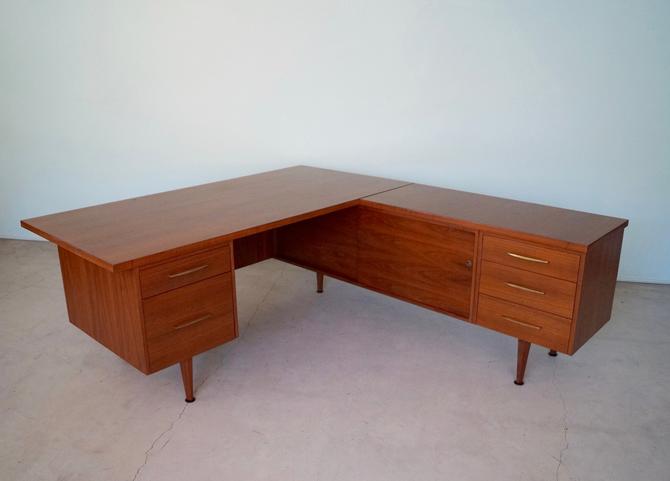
x=643, y=281
x=28, y=236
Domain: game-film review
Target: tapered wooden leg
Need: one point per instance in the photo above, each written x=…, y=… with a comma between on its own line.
x=522, y=357
x=319, y=282
x=552, y=353
x=187, y=377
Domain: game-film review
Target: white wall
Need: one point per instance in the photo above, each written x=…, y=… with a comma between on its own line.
x=565, y=103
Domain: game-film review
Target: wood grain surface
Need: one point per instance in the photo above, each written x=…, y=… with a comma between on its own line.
x=536, y=326
x=597, y=286
x=184, y=270
x=135, y=232
x=187, y=321
x=425, y=263
x=560, y=227
x=328, y=243
x=106, y=305
x=531, y=257
x=551, y=295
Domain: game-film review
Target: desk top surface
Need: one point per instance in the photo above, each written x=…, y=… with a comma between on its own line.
x=571, y=228
x=131, y=232
x=119, y=235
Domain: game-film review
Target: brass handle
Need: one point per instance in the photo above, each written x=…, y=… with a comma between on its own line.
x=190, y=271
x=521, y=323
x=527, y=289
x=190, y=323
x=526, y=258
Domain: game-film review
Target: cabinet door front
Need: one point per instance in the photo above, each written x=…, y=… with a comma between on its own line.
x=418, y=261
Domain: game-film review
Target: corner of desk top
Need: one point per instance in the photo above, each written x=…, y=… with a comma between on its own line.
x=92, y=259
x=620, y=227
x=26, y=224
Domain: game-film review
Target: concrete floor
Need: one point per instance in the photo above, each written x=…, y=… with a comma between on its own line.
x=346, y=385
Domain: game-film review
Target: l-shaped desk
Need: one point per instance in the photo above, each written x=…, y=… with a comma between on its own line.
x=153, y=278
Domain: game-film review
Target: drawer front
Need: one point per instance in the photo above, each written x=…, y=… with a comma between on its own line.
x=189, y=320
x=527, y=288
x=184, y=270
x=531, y=257
x=524, y=323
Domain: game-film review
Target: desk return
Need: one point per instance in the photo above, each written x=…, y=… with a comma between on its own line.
x=153, y=278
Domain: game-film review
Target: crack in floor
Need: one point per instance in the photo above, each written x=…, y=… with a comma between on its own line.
x=262, y=301
x=248, y=324
x=566, y=444
x=147, y=453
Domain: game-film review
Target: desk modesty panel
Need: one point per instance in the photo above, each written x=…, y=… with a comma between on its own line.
x=153, y=278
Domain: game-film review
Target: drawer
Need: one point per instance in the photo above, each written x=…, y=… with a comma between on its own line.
x=531, y=257
x=528, y=288
x=186, y=321
x=184, y=270
x=524, y=323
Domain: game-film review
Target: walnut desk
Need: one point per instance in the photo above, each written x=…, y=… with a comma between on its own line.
x=153, y=278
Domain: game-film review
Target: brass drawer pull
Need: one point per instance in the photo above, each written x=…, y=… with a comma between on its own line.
x=527, y=289
x=190, y=323
x=525, y=258
x=521, y=323
x=190, y=271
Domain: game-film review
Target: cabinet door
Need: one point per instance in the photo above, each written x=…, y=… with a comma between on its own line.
x=422, y=262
